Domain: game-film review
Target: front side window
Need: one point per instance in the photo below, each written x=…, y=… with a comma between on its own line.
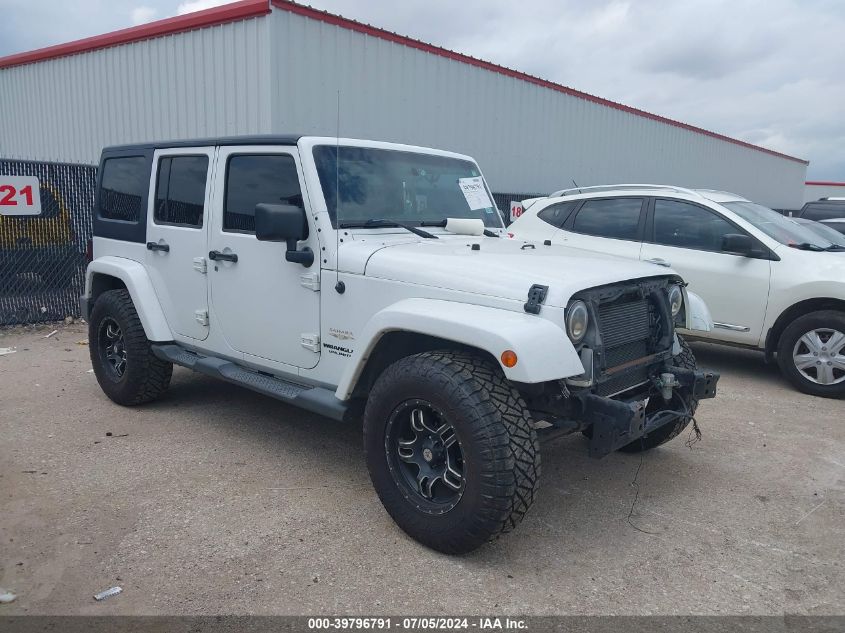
x=617, y=218
x=253, y=179
x=180, y=190
x=409, y=187
x=122, y=188
x=686, y=225
x=557, y=214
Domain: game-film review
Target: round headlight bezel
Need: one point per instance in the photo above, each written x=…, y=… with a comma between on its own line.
x=676, y=299
x=577, y=314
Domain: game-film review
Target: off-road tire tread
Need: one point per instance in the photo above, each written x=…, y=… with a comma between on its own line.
x=150, y=375
x=500, y=420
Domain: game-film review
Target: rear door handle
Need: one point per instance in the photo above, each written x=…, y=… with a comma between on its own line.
x=659, y=262
x=226, y=257
x=155, y=246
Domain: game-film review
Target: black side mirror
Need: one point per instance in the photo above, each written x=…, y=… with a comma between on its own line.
x=284, y=223
x=737, y=244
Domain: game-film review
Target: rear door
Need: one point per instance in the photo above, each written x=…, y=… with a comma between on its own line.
x=689, y=236
x=606, y=225
x=177, y=235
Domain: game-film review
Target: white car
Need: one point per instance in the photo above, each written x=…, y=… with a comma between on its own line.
x=348, y=277
x=770, y=283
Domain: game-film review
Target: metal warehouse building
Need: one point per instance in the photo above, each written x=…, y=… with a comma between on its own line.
x=272, y=66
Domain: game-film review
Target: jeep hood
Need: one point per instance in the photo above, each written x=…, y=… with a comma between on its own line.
x=501, y=268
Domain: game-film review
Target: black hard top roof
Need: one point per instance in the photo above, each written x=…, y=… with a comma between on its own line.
x=255, y=139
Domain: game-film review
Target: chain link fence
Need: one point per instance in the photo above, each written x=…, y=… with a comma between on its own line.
x=42, y=257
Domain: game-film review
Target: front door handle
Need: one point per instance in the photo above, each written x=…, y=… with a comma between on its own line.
x=226, y=257
x=659, y=262
x=155, y=246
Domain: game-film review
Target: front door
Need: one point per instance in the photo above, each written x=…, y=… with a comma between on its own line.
x=266, y=307
x=735, y=288
x=177, y=230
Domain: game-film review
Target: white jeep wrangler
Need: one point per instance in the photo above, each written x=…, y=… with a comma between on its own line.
x=395, y=299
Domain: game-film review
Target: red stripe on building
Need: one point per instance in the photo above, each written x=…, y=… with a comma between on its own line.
x=209, y=17
x=823, y=183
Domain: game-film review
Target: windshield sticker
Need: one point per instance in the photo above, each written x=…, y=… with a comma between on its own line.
x=475, y=193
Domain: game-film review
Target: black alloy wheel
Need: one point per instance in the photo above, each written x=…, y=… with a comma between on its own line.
x=112, y=348
x=425, y=456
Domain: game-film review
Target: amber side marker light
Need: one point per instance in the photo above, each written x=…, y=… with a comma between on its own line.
x=509, y=358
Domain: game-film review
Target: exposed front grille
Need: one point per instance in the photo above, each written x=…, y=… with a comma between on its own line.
x=630, y=338
x=627, y=326
x=626, y=352
x=622, y=323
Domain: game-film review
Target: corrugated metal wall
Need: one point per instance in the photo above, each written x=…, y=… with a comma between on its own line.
x=525, y=137
x=212, y=81
x=281, y=73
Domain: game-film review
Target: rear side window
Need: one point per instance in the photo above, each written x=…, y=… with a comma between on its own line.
x=557, y=214
x=687, y=225
x=253, y=179
x=180, y=190
x=617, y=218
x=123, y=188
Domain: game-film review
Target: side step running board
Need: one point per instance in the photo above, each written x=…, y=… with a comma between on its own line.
x=315, y=399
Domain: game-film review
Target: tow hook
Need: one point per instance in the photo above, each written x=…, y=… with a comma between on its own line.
x=666, y=383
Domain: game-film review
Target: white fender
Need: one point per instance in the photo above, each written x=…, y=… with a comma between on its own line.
x=698, y=314
x=543, y=349
x=140, y=288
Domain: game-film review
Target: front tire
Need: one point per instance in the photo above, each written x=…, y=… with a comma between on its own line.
x=121, y=354
x=811, y=353
x=450, y=449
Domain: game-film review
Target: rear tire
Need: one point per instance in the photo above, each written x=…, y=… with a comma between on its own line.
x=663, y=434
x=811, y=353
x=121, y=354
x=450, y=449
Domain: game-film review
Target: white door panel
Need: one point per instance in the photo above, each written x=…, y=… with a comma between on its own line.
x=736, y=288
x=177, y=235
x=259, y=301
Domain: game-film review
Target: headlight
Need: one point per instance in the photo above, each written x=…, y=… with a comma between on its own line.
x=676, y=300
x=577, y=320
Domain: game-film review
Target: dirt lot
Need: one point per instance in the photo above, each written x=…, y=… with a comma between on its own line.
x=217, y=500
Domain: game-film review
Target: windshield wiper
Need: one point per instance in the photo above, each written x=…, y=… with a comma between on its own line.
x=442, y=224
x=807, y=246
x=380, y=223
x=835, y=248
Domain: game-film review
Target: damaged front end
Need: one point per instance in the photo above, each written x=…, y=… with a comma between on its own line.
x=634, y=382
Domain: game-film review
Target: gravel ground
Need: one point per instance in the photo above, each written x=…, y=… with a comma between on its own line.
x=217, y=500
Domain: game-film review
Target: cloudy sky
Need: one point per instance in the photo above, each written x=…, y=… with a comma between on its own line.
x=771, y=72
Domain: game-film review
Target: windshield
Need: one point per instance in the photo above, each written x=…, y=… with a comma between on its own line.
x=783, y=229
x=828, y=233
x=408, y=187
